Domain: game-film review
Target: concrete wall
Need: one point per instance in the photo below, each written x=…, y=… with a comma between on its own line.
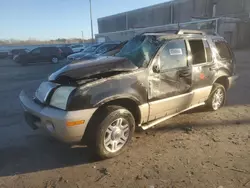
x=149, y=17
x=112, y=23
x=232, y=8
x=208, y=26
x=181, y=11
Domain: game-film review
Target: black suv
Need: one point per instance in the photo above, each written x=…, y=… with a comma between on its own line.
x=154, y=77
x=40, y=54
x=15, y=52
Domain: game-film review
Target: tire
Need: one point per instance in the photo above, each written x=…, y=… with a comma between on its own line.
x=113, y=125
x=217, y=98
x=54, y=60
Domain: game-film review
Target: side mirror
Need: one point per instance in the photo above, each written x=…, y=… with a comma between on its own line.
x=156, y=68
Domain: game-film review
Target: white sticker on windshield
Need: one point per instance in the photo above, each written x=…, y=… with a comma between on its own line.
x=175, y=51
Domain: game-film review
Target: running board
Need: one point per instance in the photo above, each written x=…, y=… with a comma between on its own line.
x=155, y=122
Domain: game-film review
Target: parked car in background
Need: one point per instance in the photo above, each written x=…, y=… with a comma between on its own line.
x=3, y=54
x=115, y=50
x=66, y=51
x=78, y=47
x=40, y=54
x=89, y=50
x=14, y=52
x=154, y=77
x=108, y=49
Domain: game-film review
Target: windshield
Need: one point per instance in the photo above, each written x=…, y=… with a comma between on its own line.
x=90, y=49
x=140, y=50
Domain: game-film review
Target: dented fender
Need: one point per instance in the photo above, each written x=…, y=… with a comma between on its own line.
x=133, y=86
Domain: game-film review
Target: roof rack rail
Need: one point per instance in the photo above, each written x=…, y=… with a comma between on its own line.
x=184, y=31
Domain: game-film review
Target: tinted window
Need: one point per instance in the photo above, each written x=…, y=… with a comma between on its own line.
x=105, y=48
x=208, y=51
x=223, y=50
x=90, y=49
x=198, y=51
x=66, y=49
x=49, y=50
x=173, y=55
x=77, y=46
x=36, y=51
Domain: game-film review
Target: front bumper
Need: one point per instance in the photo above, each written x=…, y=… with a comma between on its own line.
x=54, y=121
x=232, y=80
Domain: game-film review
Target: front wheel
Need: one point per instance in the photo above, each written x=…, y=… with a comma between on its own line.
x=217, y=97
x=112, y=132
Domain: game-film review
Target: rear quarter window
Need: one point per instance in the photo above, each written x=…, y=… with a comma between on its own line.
x=223, y=50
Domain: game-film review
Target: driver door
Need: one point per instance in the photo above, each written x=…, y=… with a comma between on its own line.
x=170, y=80
x=35, y=55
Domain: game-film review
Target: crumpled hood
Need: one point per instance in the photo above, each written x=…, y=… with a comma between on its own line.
x=84, y=69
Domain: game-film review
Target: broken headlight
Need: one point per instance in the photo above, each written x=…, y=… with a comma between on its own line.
x=60, y=97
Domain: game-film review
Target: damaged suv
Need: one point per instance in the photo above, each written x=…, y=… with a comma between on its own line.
x=154, y=77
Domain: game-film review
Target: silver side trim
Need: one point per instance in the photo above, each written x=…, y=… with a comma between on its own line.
x=206, y=89
x=144, y=110
x=153, y=123
x=168, y=106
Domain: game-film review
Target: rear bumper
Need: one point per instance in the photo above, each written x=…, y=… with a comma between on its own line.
x=54, y=121
x=232, y=80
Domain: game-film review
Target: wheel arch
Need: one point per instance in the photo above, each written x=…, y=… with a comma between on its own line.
x=130, y=103
x=127, y=103
x=223, y=80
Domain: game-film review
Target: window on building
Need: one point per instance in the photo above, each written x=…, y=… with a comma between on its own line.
x=198, y=51
x=173, y=55
x=223, y=50
x=208, y=51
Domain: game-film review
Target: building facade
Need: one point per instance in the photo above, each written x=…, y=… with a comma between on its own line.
x=230, y=18
x=177, y=11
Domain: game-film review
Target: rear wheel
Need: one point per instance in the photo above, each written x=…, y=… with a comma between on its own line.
x=217, y=97
x=54, y=60
x=112, y=132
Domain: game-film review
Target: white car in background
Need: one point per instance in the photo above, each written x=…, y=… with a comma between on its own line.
x=77, y=47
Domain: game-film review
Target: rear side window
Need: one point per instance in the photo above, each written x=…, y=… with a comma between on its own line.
x=77, y=46
x=198, y=51
x=106, y=48
x=36, y=51
x=45, y=51
x=223, y=49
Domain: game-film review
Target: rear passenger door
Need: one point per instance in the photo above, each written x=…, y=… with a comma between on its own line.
x=34, y=55
x=203, y=68
x=45, y=54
